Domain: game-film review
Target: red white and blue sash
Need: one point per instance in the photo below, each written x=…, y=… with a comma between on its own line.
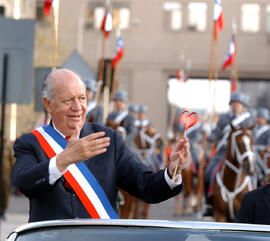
x=77, y=175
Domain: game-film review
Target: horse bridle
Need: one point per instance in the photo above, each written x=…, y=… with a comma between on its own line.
x=241, y=156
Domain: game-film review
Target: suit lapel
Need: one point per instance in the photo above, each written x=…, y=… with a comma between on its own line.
x=86, y=130
x=266, y=197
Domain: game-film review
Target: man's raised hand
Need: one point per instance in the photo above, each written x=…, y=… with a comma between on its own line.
x=82, y=149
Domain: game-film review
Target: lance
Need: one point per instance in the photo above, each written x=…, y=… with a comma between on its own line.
x=55, y=18
x=213, y=70
x=234, y=69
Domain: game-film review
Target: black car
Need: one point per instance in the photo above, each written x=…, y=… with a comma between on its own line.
x=138, y=230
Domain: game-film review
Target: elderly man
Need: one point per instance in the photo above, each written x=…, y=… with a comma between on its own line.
x=94, y=153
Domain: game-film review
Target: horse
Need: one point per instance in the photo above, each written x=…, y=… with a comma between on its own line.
x=147, y=141
x=234, y=178
x=263, y=160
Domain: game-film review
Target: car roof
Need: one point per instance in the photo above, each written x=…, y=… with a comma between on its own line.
x=144, y=223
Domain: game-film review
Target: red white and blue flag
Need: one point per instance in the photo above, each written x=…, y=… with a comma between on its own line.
x=106, y=24
x=218, y=18
x=119, y=51
x=77, y=175
x=229, y=60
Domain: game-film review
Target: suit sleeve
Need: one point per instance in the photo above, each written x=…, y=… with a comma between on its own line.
x=139, y=180
x=244, y=214
x=30, y=173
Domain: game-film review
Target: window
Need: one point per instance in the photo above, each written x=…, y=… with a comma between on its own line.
x=197, y=16
x=268, y=19
x=250, y=18
x=120, y=15
x=173, y=15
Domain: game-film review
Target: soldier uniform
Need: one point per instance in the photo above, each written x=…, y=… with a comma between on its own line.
x=262, y=140
x=123, y=118
x=151, y=146
x=195, y=136
x=94, y=111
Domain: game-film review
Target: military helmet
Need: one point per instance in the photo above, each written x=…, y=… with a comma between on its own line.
x=263, y=112
x=240, y=97
x=142, y=108
x=133, y=108
x=120, y=95
x=91, y=84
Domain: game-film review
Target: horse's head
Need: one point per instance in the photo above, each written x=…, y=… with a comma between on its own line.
x=241, y=149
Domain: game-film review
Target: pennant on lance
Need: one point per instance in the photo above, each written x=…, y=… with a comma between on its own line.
x=218, y=18
x=119, y=51
x=47, y=7
x=106, y=24
x=229, y=60
x=77, y=175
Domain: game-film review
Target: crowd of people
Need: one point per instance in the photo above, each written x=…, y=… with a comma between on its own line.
x=133, y=156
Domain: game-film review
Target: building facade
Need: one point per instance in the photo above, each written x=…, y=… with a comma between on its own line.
x=160, y=37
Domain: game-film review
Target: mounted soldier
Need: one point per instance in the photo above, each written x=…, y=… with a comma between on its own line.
x=262, y=141
x=94, y=111
x=148, y=141
x=239, y=116
x=121, y=119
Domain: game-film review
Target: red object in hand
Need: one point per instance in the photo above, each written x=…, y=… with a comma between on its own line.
x=188, y=119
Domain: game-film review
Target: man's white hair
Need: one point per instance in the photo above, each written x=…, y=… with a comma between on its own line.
x=47, y=88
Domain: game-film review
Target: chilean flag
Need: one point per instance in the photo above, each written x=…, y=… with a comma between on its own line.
x=218, y=18
x=47, y=7
x=106, y=25
x=119, y=51
x=229, y=60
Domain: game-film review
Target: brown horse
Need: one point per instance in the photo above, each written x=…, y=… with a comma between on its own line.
x=235, y=176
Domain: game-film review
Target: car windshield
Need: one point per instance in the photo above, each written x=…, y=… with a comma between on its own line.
x=101, y=233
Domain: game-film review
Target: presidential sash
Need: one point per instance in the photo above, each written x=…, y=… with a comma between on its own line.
x=77, y=175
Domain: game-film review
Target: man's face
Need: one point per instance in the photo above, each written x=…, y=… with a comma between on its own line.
x=261, y=121
x=119, y=105
x=68, y=108
x=237, y=107
x=142, y=115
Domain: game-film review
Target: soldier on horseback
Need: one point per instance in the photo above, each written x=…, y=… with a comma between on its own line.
x=94, y=111
x=239, y=116
x=262, y=140
x=121, y=119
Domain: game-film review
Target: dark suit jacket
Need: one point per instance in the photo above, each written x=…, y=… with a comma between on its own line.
x=116, y=168
x=255, y=207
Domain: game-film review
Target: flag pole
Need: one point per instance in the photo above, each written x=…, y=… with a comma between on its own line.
x=101, y=69
x=116, y=70
x=55, y=20
x=218, y=19
x=235, y=66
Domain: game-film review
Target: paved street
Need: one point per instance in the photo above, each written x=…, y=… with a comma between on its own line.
x=18, y=208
